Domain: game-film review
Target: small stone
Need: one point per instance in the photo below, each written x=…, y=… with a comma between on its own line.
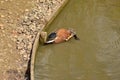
x=14, y=33
x=10, y=12
x=24, y=65
x=33, y=27
x=2, y=16
x=1, y=26
x=41, y=1
x=25, y=56
x=9, y=45
x=14, y=39
x=28, y=51
x=29, y=47
x=3, y=31
x=22, y=52
x=26, y=10
x=20, y=46
x=1, y=60
x=2, y=2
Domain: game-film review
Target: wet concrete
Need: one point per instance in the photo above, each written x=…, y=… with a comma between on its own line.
x=96, y=55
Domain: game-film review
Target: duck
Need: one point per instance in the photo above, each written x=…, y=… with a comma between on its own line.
x=60, y=35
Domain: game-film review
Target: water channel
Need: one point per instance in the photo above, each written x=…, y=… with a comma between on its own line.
x=96, y=56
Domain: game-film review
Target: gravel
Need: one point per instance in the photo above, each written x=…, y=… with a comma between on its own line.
x=31, y=23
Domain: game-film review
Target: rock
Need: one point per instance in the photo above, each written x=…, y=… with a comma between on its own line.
x=19, y=39
x=20, y=46
x=29, y=47
x=1, y=26
x=26, y=10
x=2, y=16
x=25, y=57
x=33, y=27
x=22, y=51
x=1, y=2
x=25, y=41
x=9, y=45
x=14, y=33
x=41, y=1
x=10, y=13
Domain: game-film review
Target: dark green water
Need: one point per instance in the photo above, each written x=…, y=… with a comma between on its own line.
x=96, y=56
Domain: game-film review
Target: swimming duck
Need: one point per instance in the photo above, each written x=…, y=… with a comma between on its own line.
x=61, y=35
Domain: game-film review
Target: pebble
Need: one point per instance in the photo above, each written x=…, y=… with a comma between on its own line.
x=1, y=2
x=25, y=55
x=1, y=26
x=22, y=52
x=9, y=45
x=19, y=39
x=20, y=46
x=41, y=1
x=10, y=13
x=1, y=60
x=26, y=10
x=29, y=47
x=2, y=16
x=14, y=32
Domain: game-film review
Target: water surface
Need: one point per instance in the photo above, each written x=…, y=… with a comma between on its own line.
x=96, y=55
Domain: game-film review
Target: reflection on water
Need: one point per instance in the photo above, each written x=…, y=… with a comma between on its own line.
x=96, y=55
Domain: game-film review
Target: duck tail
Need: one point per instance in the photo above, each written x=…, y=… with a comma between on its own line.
x=49, y=42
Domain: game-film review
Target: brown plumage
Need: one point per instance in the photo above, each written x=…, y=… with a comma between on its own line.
x=61, y=35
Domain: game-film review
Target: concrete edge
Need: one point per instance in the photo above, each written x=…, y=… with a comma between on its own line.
x=56, y=13
x=34, y=50
x=36, y=41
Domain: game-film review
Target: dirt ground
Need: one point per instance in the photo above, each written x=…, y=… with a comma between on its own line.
x=20, y=20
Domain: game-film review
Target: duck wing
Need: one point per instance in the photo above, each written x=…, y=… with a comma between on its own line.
x=51, y=36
